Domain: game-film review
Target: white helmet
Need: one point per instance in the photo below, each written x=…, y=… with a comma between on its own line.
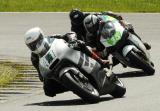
x=35, y=40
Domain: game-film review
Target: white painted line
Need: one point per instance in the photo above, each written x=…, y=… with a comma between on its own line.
x=33, y=12
x=67, y=13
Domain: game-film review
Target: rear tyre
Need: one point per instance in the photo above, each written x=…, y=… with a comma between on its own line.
x=119, y=89
x=147, y=67
x=81, y=87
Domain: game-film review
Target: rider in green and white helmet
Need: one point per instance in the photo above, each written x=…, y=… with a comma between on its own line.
x=100, y=27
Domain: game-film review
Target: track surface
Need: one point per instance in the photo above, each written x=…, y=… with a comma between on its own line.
x=143, y=92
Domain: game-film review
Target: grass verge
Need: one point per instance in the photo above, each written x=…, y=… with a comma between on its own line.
x=84, y=5
x=7, y=73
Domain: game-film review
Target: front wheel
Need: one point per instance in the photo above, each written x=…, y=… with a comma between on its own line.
x=81, y=86
x=141, y=63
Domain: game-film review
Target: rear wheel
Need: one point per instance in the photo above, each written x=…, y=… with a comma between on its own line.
x=81, y=86
x=146, y=66
x=119, y=89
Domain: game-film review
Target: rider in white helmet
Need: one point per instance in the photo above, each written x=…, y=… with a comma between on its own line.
x=39, y=44
x=36, y=41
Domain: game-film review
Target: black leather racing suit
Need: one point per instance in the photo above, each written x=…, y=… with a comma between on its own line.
x=79, y=29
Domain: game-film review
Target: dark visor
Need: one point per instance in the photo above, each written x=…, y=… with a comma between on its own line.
x=33, y=45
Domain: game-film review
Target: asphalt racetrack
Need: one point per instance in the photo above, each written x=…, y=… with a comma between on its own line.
x=143, y=92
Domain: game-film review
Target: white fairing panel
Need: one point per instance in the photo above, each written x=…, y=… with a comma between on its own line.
x=88, y=64
x=127, y=49
x=139, y=44
x=60, y=50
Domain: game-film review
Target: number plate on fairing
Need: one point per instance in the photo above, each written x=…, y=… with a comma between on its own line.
x=49, y=58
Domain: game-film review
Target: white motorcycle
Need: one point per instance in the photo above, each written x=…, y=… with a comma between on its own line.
x=128, y=49
x=78, y=72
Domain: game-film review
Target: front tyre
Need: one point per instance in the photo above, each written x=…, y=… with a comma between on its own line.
x=81, y=86
x=141, y=63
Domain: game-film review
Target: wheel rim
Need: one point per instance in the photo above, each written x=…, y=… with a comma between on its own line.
x=85, y=85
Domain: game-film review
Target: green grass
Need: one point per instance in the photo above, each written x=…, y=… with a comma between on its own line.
x=84, y=5
x=10, y=71
x=7, y=73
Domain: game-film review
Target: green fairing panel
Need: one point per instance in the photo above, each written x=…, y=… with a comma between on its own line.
x=114, y=39
x=108, y=18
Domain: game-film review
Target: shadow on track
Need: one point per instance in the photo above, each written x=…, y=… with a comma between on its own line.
x=132, y=74
x=67, y=102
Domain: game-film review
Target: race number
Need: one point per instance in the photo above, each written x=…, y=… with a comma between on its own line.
x=50, y=57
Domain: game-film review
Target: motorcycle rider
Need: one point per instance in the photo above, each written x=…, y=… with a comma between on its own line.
x=39, y=44
x=76, y=16
x=94, y=25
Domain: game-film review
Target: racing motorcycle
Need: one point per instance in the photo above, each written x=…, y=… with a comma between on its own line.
x=77, y=72
x=128, y=49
